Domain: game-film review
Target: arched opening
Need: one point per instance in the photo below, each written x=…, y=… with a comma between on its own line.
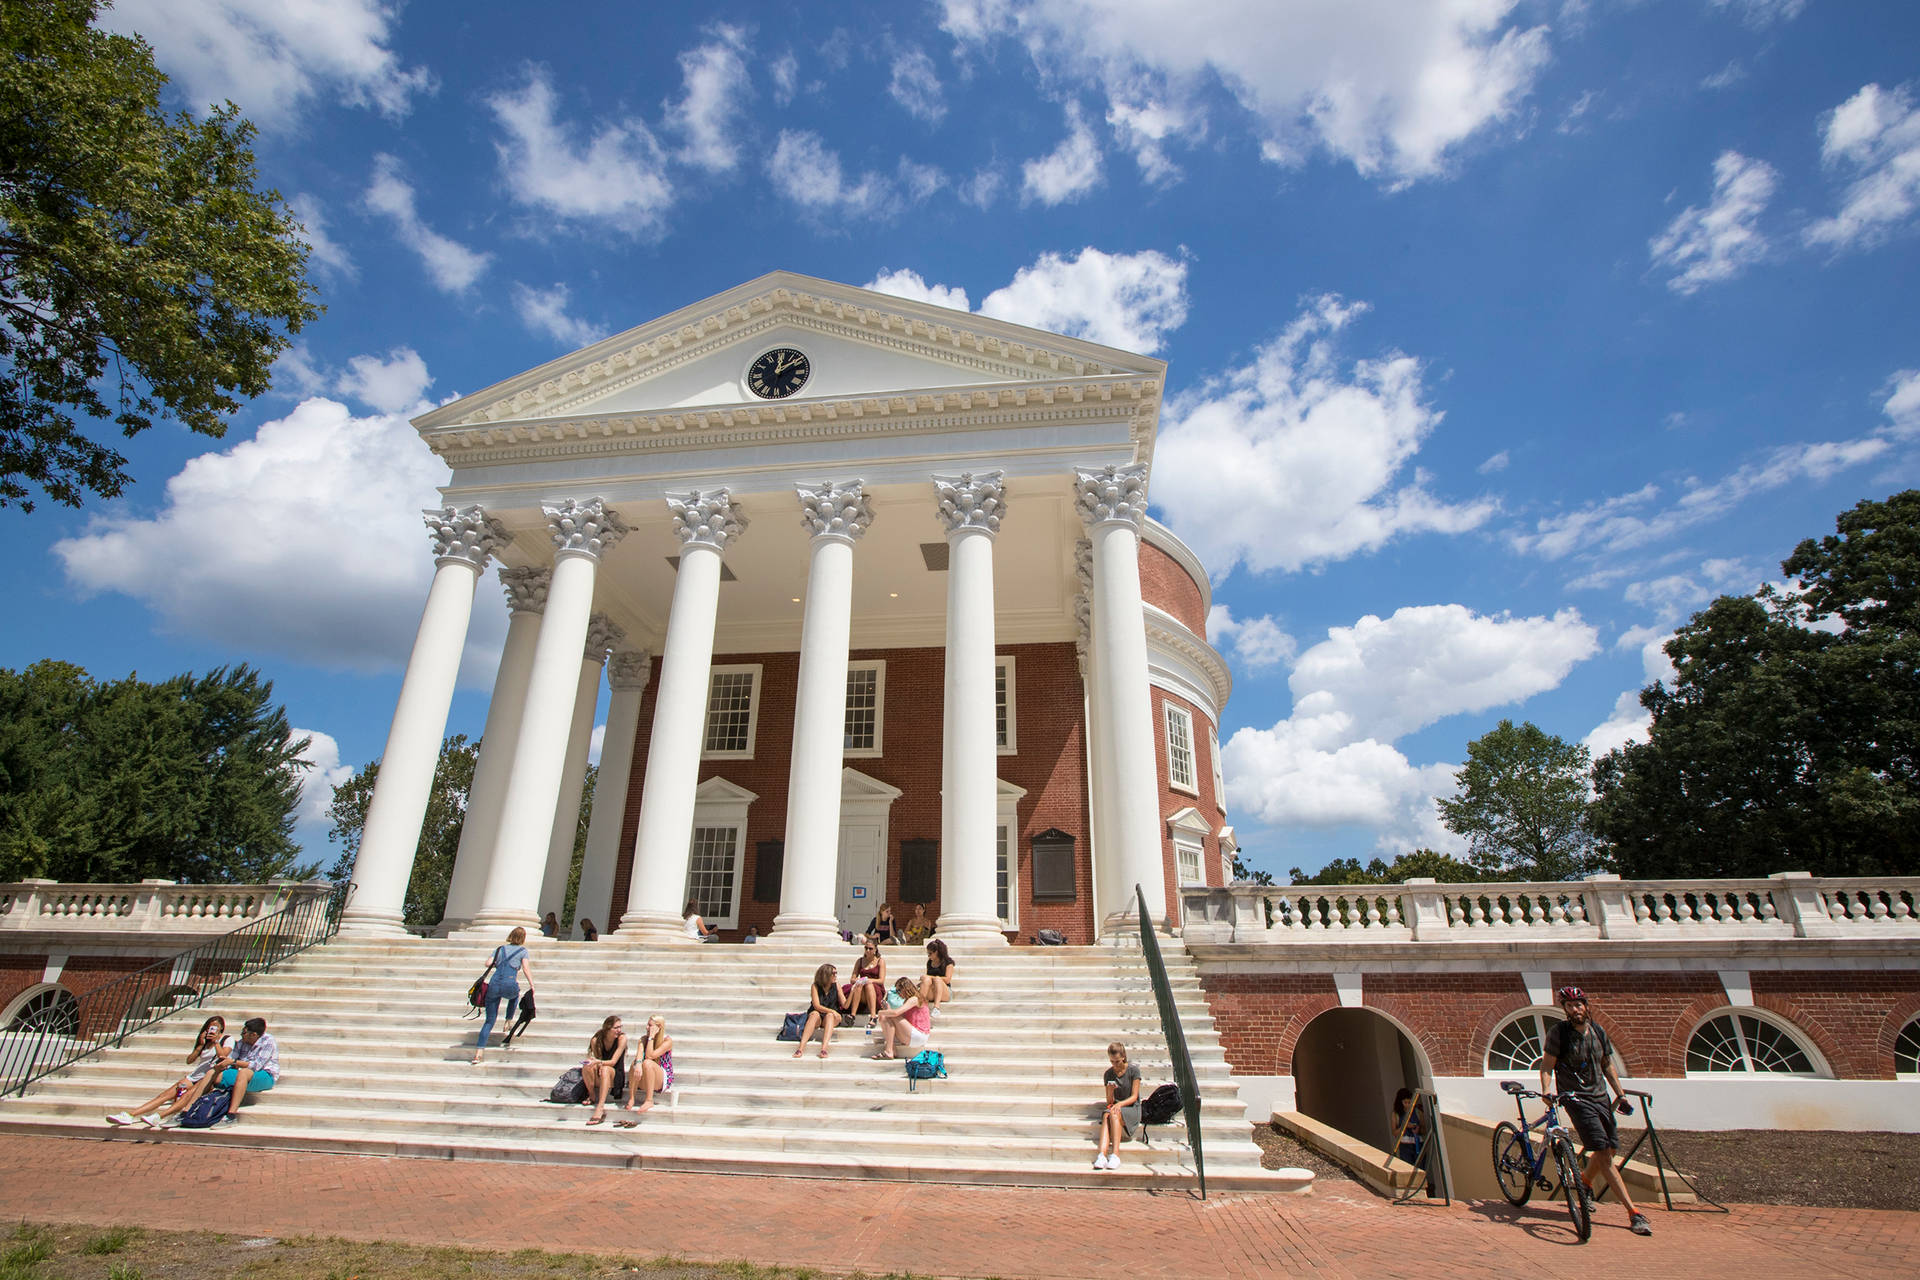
x=1348, y=1064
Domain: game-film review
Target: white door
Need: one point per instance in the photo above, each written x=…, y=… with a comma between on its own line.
x=862, y=873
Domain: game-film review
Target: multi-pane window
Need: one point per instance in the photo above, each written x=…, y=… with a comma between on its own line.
x=1003, y=871
x=731, y=698
x=1746, y=1043
x=1179, y=747
x=712, y=869
x=1906, y=1050
x=52, y=1010
x=1189, y=856
x=866, y=693
x=1219, y=778
x=1005, y=725
x=1517, y=1048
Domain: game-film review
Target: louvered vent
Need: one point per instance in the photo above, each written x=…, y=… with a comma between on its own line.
x=726, y=570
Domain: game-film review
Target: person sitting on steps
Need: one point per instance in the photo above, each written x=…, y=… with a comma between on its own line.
x=604, y=1068
x=869, y=986
x=937, y=986
x=910, y=1023
x=550, y=926
x=824, y=1009
x=255, y=1067
x=696, y=927
x=652, y=1068
x=208, y=1054
x=1121, y=1118
x=882, y=928
x=918, y=929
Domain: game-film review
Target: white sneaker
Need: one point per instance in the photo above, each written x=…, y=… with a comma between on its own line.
x=1113, y=1162
x=1100, y=1162
x=120, y=1118
x=933, y=1013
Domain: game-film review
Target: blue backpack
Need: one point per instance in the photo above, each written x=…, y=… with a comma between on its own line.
x=207, y=1110
x=925, y=1065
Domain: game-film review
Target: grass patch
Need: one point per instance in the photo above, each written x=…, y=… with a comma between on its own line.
x=112, y=1240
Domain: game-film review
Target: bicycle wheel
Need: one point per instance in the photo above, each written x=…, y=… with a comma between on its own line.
x=1572, y=1187
x=1511, y=1167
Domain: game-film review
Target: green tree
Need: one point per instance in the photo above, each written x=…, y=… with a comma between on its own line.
x=580, y=851
x=1522, y=805
x=1790, y=740
x=1443, y=867
x=426, y=900
x=1243, y=872
x=141, y=272
x=193, y=779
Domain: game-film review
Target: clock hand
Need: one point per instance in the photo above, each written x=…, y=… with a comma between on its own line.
x=780, y=366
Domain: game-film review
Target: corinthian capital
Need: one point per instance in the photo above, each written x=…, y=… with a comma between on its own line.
x=1105, y=494
x=583, y=528
x=705, y=517
x=971, y=500
x=831, y=510
x=526, y=589
x=602, y=634
x=464, y=534
x=629, y=669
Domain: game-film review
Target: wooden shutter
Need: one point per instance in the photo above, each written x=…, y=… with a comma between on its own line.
x=919, y=871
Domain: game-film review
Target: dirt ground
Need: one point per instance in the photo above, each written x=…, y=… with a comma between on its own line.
x=121, y=1253
x=1821, y=1169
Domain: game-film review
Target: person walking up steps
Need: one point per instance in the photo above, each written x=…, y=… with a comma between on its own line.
x=503, y=983
x=1578, y=1066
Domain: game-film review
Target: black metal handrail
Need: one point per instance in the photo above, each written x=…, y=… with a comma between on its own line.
x=62, y=1035
x=1175, y=1037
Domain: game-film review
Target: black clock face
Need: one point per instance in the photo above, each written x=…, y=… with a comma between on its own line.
x=778, y=374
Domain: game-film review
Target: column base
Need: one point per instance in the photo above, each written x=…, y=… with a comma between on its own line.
x=1127, y=924
x=487, y=923
x=656, y=928
x=373, y=924
x=974, y=931
x=793, y=929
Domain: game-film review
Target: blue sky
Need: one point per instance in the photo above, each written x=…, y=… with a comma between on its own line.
x=1502, y=335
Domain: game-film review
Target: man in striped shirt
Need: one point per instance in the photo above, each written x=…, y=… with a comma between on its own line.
x=256, y=1066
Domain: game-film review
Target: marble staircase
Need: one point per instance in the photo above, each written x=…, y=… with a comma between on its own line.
x=376, y=1044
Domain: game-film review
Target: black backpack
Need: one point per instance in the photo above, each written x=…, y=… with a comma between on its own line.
x=1050, y=938
x=1161, y=1106
x=569, y=1088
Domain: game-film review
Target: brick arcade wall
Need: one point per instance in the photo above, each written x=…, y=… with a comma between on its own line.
x=1164, y=583
x=1852, y=1016
x=1050, y=764
x=18, y=974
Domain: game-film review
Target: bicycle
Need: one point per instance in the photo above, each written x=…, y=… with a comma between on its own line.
x=1519, y=1168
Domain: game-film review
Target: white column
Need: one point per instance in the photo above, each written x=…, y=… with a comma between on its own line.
x=463, y=538
x=602, y=635
x=1113, y=502
x=526, y=590
x=837, y=515
x=970, y=507
x=627, y=675
x=1101, y=849
x=582, y=532
x=705, y=521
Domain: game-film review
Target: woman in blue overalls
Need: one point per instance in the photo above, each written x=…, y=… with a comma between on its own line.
x=503, y=983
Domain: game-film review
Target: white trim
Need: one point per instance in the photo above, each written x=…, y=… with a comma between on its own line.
x=753, y=711
x=19, y=1002
x=1191, y=785
x=719, y=803
x=1738, y=984
x=1219, y=774
x=1189, y=831
x=879, y=667
x=1822, y=1070
x=1005, y=661
x=1007, y=800
x=1348, y=987
x=1911, y=1024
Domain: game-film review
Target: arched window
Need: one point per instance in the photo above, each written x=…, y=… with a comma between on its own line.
x=52, y=1010
x=1516, y=1046
x=1906, y=1050
x=1749, y=1042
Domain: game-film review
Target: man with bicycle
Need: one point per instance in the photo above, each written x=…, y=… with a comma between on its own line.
x=1578, y=1066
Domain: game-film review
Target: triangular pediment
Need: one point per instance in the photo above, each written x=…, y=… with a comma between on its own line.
x=858, y=343
x=720, y=791
x=1188, y=822
x=855, y=785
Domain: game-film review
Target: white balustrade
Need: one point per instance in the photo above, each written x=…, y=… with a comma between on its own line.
x=151, y=906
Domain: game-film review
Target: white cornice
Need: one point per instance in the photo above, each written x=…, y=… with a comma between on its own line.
x=1017, y=352
x=1168, y=632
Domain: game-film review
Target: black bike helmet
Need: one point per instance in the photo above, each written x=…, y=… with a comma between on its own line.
x=1570, y=994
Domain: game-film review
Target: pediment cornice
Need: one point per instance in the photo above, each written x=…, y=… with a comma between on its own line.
x=1008, y=352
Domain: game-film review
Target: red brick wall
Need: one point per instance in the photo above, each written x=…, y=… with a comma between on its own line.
x=1260, y=1016
x=1050, y=765
x=1452, y=1014
x=1173, y=801
x=1852, y=1016
x=1164, y=583
x=17, y=974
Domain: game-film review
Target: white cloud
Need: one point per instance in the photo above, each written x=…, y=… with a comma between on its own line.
x=920, y=181
x=1285, y=463
x=451, y=265
x=1331, y=761
x=1126, y=300
x=594, y=743
x=1393, y=88
x=616, y=178
x=1726, y=77
x=293, y=544
x=1707, y=246
x=1144, y=127
x=785, y=72
x=325, y=772
x=322, y=248
x=806, y=172
x=1875, y=137
x=297, y=365
x=1258, y=642
x=274, y=59
x=1903, y=403
x=544, y=311
x=1069, y=171
x=397, y=384
x=717, y=88
x=1627, y=722
x=982, y=189
x=1760, y=13
x=915, y=85
x=1498, y=462
x=905, y=283
x=1633, y=520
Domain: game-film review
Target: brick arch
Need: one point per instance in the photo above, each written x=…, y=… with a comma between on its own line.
x=1684, y=1023
x=1904, y=1010
x=1701, y=1009
x=1482, y=1039
x=1296, y=1024
x=1839, y=1061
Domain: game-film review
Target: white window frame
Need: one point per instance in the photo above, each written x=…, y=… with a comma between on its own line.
x=1007, y=827
x=1800, y=1039
x=879, y=667
x=1219, y=776
x=753, y=712
x=1183, y=850
x=1004, y=662
x=1543, y=1017
x=719, y=803
x=1907, y=1040
x=1191, y=785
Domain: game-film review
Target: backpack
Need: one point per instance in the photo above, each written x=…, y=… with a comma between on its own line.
x=925, y=1065
x=1050, y=938
x=792, y=1025
x=210, y=1108
x=1161, y=1106
x=569, y=1088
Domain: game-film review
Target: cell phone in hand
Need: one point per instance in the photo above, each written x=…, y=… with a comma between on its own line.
x=1624, y=1107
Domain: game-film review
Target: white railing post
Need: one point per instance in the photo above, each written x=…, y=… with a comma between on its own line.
x=26, y=905
x=1800, y=902
x=147, y=905
x=1608, y=906
x=1427, y=914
